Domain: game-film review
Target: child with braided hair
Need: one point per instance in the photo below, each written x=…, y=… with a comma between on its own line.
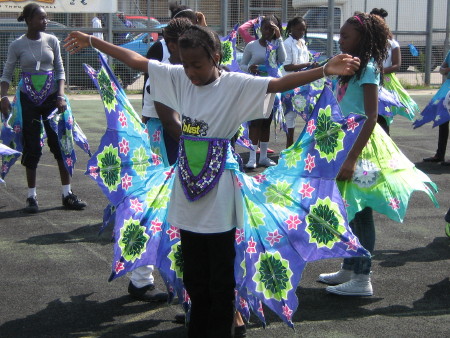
x=213, y=104
x=375, y=174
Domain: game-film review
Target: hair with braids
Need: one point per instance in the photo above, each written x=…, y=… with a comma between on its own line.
x=381, y=12
x=28, y=12
x=175, y=28
x=203, y=37
x=374, y=35
x=182, y=11
x=294, y=22
x=272, y=18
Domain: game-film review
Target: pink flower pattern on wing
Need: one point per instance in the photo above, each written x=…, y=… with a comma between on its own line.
x=122, y=119
x=351, y=244
x=124, y=147
x=311, y=127
x=157, y=136
x=287, y=312
x=251, y=249
x=136, y=205
x=243, y=303
x=394, y=203
x=126, y=181
x=260, y=178
x=293, y=222
x=69, y=162
x=239, y=236
x=156, y=226
x=306, y=190
x=173, y=233
x=119, y=266
x=156, y=159
x=93, y=171
x=310, y=163
x=273, y=237
x=351, y=124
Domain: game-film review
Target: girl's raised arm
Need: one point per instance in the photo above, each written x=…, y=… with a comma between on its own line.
x=76, y=41
x=342, y=64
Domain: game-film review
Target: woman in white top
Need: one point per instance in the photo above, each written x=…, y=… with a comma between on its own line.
x=253, y=61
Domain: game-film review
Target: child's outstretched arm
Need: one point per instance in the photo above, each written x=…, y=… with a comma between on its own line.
x=371, y=110
x=342, y=64
x=76, y=41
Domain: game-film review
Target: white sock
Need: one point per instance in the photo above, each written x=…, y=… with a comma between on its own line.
x=253, y=153
x=66, y=190
x=263, y=150
x=32, y=192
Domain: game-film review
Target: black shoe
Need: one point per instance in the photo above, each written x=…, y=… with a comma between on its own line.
x=240, y=331
x=180, y=318
x=433, y=159
x=445, y=163
x=147, y=293
x=72, y=202
x=32, y=205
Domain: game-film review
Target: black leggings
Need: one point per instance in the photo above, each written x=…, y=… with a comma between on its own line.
x=208, y=276
x=31, y=130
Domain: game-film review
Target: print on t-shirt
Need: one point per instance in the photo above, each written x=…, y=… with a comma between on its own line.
x=194, y=128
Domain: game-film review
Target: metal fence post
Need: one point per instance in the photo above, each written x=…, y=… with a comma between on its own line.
x=224, y=17
x=429, y=41
x=330, y=32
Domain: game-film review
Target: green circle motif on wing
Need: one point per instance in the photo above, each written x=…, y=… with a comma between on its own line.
x=133, y=240
x=176, y=259
x=67, y=143
x=324, y=223
x=279, y=194
x=227, y=50
x=106, y=90
x=140, y=161
x=158, y=197
x=329, y=135
x=109, y=163
x=273, y=276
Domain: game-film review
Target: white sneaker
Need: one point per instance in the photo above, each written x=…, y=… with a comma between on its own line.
x=266, y=162
x=336, y=278
x=359, y=285
x=251, y=164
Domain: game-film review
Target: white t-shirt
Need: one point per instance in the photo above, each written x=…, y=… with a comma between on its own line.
x=393, y=44
x=295, y=54
x=148, y=109
x=215, y=110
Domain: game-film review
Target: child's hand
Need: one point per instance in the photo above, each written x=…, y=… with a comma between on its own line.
x=342, y=64
x=253, y=69
x=276, y=30
x=5, y=107
x=346, y=171
x=201, y=20
x=76, y=41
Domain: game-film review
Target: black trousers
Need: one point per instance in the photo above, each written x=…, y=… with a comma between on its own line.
x=442, y=140
x=208, y=276
x=31, y=130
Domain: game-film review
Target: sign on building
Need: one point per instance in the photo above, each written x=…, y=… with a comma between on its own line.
x=62, y=6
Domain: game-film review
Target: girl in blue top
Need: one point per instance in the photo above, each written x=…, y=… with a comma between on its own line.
x=213, y=104
x=375, y=174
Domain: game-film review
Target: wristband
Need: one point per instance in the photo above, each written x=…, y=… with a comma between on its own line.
x=61, y=97
x=4, y=97
x=323, y=71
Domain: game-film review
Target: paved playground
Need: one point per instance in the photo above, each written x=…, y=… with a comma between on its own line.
x=55, y=266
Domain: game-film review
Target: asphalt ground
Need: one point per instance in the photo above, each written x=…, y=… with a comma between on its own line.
x=54, y=265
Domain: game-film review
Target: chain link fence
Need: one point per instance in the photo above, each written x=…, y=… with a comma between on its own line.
x=407, y=20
